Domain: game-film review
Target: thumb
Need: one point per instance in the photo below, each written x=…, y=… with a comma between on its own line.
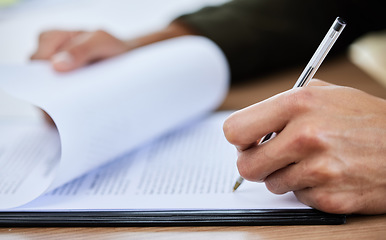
x=74, y=57
x=63, y=61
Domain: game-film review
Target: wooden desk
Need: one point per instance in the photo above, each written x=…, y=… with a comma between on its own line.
x=364, y=227
x=338, y=71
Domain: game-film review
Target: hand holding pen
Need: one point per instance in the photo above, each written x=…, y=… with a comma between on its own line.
x=310, y=70
x=329, y=151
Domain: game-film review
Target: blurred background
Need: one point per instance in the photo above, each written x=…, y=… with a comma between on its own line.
x=21, y=21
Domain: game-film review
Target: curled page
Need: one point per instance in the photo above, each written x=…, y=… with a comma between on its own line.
x=112, y=107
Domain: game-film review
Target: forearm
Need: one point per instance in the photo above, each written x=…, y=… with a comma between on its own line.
x=174, y=29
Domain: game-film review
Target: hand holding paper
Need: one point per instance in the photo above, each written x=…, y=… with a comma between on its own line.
x=115, y=166
x=107, y=109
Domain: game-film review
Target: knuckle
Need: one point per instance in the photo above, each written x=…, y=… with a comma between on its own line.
x=331, y=203
x=100, y=34
x=299, y=100
x=310, y=135
x=324, y=170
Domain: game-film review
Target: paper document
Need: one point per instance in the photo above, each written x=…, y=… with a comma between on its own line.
x=112, y=107
x=134, y=132
x=190, y=168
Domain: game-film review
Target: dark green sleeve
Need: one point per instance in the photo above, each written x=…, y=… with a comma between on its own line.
x=259, y=36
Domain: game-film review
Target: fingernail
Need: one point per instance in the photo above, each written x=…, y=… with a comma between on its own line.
x=62, y=60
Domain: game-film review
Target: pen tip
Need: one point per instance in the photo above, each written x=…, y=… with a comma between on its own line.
x=238, y=183
x=236, y=186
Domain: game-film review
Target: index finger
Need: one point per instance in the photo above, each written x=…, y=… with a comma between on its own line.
x=246, y=127
x=50, y=42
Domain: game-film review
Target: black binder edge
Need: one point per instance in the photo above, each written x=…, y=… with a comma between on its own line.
x=147, y=218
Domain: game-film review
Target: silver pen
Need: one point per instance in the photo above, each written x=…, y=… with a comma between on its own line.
x=311, y=68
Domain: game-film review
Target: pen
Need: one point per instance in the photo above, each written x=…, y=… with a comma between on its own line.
x=310, y=70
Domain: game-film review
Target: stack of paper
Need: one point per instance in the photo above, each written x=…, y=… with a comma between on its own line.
x=134, y=134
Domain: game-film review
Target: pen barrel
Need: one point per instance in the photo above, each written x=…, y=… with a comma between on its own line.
x=320, y=53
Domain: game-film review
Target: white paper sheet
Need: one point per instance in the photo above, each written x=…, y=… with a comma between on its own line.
x=192, y=168
x=29, y=154
x=112, y=107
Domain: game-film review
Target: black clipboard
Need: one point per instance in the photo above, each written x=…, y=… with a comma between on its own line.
x=170, y=218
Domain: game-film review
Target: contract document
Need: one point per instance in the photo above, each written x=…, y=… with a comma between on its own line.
x=190, y=168
x=135, y=142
